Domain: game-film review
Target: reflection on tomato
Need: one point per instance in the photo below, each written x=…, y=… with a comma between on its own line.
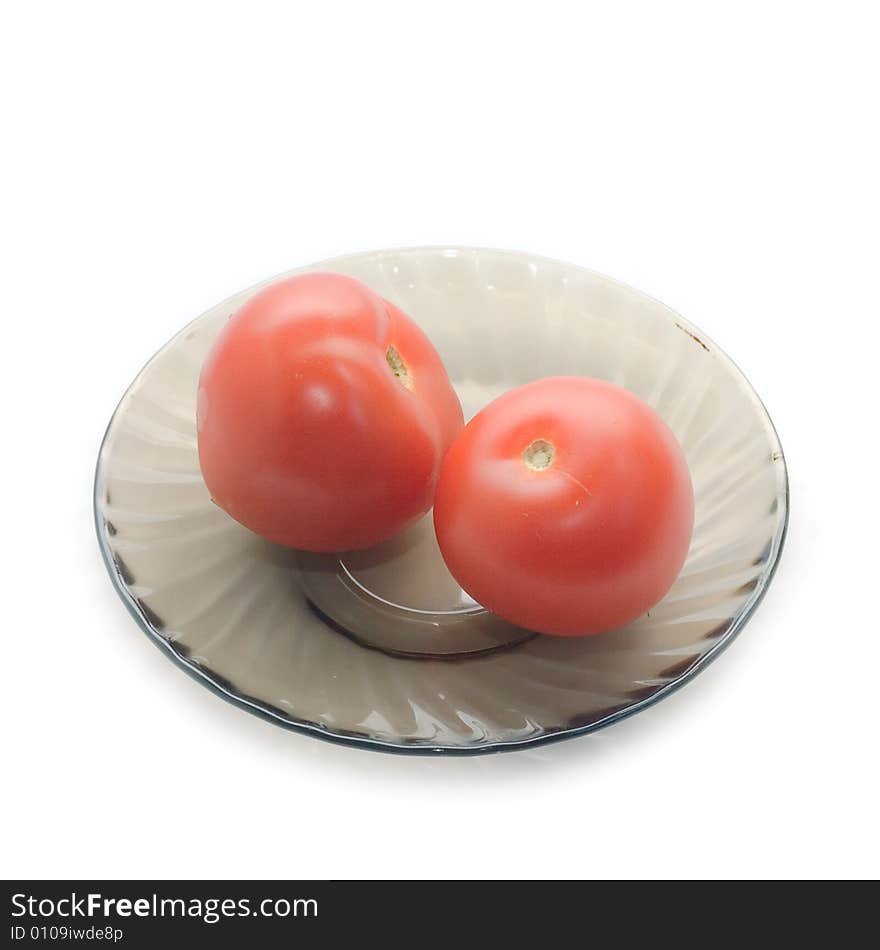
x=565, y=506
x=323, y=415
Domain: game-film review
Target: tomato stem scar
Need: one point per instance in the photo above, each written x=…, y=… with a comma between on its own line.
x=539, y=455
x=398, y=367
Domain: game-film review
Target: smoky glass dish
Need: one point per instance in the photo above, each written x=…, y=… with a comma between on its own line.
x=382, y=649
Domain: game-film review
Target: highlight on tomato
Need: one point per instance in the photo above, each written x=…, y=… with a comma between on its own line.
x=565, y=506
x=323, y=416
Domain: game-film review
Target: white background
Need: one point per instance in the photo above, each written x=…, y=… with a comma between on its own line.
x=158, y=157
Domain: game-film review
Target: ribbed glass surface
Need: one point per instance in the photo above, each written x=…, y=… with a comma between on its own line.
x=233, y=609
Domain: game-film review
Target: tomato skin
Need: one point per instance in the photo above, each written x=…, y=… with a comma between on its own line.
x=305, y=434
x=585, y=545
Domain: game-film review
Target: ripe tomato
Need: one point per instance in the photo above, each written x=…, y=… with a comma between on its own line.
x=323, y=415
x=565, y=506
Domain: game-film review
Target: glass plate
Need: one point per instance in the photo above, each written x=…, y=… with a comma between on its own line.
x=382, y=649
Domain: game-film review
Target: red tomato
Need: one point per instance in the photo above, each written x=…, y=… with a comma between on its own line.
x=565, y=506
x=323, y=415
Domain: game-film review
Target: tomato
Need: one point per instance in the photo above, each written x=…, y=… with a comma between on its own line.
x=324, y=413
x=565, y=506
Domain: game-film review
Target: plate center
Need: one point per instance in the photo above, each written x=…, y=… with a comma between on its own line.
x=399, y=596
